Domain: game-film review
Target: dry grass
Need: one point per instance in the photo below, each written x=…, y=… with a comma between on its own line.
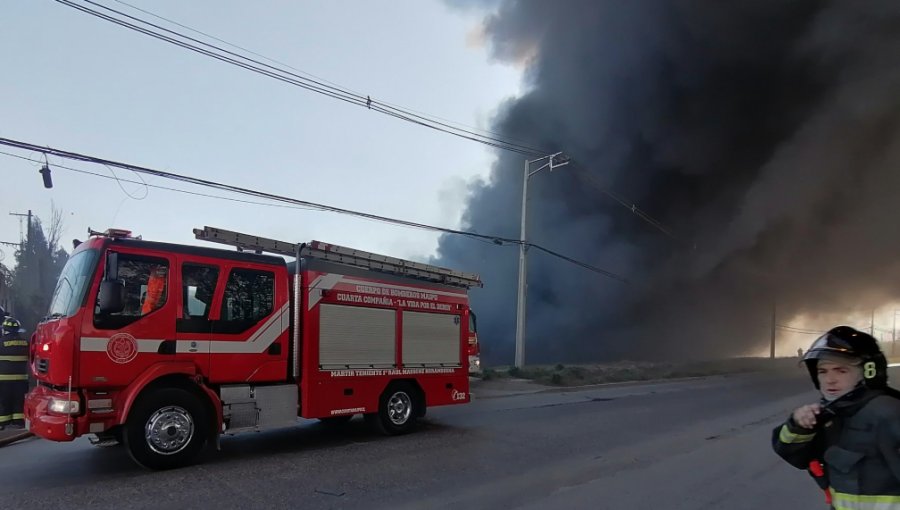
x=623, y=371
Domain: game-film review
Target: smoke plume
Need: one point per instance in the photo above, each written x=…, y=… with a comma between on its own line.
x=762, y=136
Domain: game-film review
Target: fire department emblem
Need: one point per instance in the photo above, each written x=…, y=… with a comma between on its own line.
x=121, y=348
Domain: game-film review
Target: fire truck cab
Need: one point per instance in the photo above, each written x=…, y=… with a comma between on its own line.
x=164, y=347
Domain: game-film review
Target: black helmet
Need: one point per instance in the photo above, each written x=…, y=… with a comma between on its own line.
x=846, y=342
x=11, y=326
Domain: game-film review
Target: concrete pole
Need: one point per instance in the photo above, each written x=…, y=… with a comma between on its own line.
x=523, y=252
x=774, y=331
x=523, y=286
x=894, y=334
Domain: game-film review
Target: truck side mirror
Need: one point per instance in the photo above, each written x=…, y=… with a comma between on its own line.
x=112, y=296
x=112, y=266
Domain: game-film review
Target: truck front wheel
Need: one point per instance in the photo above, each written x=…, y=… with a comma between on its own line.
x=166, y=429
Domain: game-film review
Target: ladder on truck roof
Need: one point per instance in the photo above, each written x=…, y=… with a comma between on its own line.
x=341, y=255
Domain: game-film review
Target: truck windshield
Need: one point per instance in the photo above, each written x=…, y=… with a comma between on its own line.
x=73, y=283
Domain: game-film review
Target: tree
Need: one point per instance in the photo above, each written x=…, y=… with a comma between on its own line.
x=39, y=262
x=5, y=276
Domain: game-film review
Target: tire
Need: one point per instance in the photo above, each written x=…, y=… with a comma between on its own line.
x=166, y=429
x=119, y=434
x=397, y=410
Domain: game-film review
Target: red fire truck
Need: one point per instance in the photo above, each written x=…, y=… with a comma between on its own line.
x=165, y=347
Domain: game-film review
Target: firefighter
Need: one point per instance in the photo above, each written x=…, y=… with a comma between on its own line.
x=849, y=439
x=13, y=373
x=156, y=290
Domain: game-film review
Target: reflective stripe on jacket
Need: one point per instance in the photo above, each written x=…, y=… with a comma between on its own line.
x=859, y=446
x=13, y=358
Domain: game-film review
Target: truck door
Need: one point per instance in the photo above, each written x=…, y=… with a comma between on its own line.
x=198, y=281
x=249, y=340
x=117, y=346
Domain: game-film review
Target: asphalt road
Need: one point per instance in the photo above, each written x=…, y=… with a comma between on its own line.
x=691, y=444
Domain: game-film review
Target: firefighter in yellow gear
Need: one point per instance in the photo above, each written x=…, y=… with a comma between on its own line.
x=13, y=373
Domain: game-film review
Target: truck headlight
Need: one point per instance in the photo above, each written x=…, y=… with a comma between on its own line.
x=61, y=406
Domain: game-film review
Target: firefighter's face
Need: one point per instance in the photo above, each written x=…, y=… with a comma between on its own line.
x=837, y=379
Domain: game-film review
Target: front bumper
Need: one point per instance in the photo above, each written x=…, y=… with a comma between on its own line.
x=44, y=423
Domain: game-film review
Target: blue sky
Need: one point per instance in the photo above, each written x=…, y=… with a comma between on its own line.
x=74, y=82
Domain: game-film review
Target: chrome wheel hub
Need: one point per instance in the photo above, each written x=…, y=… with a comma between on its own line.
x=399, y=408
x=169, y=430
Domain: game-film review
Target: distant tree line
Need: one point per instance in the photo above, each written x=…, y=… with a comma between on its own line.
x=38, y=263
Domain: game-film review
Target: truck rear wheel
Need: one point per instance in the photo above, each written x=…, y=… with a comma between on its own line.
x=166, y=429
x=397, y=410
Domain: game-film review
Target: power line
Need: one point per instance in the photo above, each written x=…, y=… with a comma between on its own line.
x=585, y=177
x=318, y=85
x=179, y=190
x=156, y=186
x=119, y=182
x=235, y=189
x=803, y=331
x=293, y=201
x=309, y=84
x=330, y=89
x=278, y=73
x=319, y=78
x=578, y=263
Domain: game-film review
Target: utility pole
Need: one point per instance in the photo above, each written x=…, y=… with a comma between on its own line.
x=774, y=330
x=23, y=242
x=28, y=228
x=555, y=160
x=894, y=334
x=25, y=246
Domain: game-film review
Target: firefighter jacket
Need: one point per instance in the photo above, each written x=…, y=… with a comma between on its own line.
x=13, y=357
x=857, y=440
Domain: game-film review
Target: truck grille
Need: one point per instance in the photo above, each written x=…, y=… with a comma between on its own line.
x=43, y=365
